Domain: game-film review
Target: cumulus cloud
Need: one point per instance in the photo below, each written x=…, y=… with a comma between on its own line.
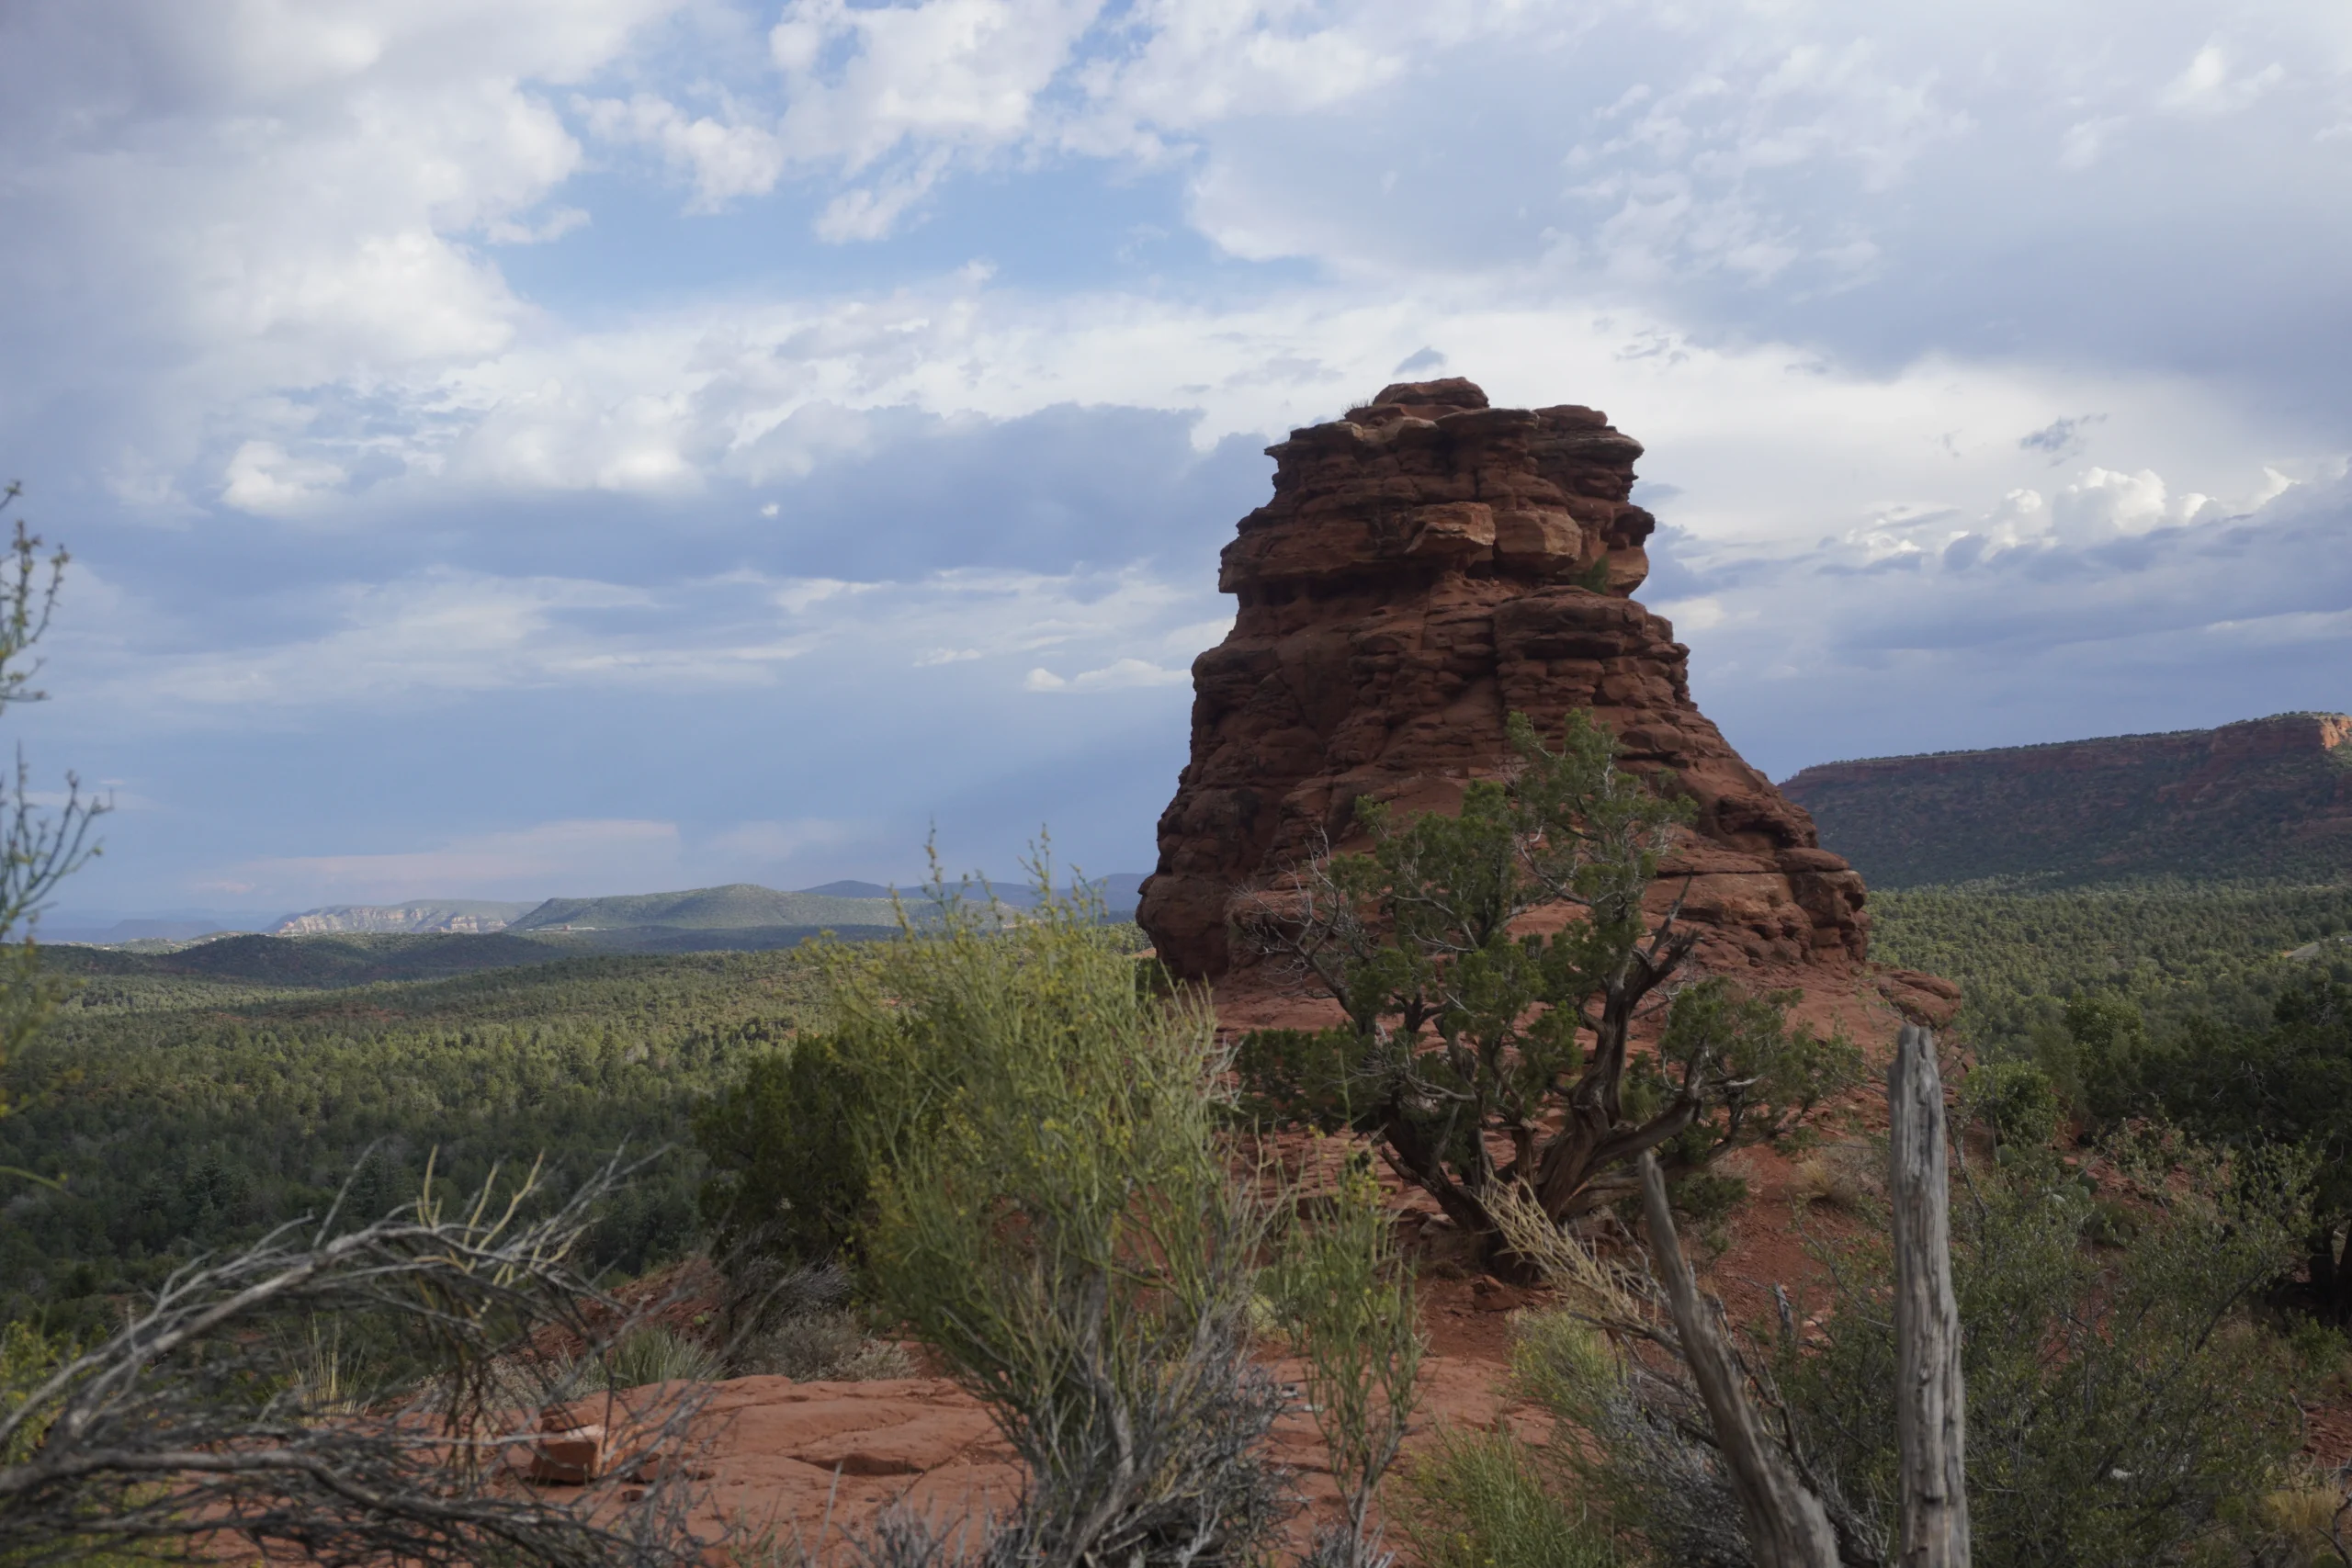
x=886, y=397
x=888, y=98
x=2024, y=625
x=262, y=478
x=443, y=631
x=800, y=380
x=443, y=636
x=865, y=80
x=1114, y=676
x=302, y=232
x=2104, y=505
x=235, y=203
x=724, y=159
x=2209, y=86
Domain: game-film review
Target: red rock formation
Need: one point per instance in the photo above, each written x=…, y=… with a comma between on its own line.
x=1428, y=565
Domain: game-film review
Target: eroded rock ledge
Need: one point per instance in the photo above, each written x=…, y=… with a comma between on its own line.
x=1428, y=565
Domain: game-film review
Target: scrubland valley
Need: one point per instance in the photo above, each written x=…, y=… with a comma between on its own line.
x=1338, y=1209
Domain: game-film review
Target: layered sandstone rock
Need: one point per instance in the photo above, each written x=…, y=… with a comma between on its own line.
x=1427, y=565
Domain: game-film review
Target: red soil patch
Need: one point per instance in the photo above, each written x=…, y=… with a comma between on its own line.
x=806, y=1459
x=823, y=1458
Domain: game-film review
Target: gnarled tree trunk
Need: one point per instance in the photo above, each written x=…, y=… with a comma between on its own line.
x=1786, y=1525
x=1930, y=1413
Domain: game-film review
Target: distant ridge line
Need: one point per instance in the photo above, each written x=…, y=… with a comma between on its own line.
x=762, y=913
x=2322, y=714
x=740, y=905
x=2258, y=800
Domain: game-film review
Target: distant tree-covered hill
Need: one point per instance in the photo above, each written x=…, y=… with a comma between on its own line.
x=177, y=1111
x=2175, y=951
x=735, y=906
x=745, y=916
x=697, y=939
x=2268, y=800
x=307, y=962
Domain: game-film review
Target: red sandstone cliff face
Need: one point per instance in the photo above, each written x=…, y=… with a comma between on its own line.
x=1427, y=565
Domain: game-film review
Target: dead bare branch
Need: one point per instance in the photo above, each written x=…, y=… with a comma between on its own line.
x=192, y=1424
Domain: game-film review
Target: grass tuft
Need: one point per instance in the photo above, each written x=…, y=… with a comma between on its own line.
x=1482, y=1500
x=825, y=1346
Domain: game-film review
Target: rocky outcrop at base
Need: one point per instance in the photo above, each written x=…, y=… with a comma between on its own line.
x=1427, y=565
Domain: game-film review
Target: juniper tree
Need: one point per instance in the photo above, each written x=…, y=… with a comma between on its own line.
x=2288, y=1085
x=1477, y=1052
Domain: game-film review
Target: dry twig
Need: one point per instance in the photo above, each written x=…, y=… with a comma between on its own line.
x=186, y=1425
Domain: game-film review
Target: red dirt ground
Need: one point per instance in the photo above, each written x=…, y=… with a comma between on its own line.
x=816, y=1459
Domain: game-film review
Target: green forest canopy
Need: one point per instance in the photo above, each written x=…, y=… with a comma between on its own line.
x=185, y=1112
x=188, y=1109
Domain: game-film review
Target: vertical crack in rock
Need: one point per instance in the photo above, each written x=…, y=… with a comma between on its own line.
x=1428, y=565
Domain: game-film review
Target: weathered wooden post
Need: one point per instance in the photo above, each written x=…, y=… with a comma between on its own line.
x=1786, y=1525
x=1931, y=1418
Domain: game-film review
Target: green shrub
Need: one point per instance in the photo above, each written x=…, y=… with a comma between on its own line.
x=829, y=1345
x=2110, y=1223
x=2016, y=1099
x=1056, y=1215
x=1488, y=1500
x=2124, y=1406
x=1583, y=1495
x=788, y=1181
x=1623, y=1448
x=1343, y=1294
x=28, y=1359
x=1708, y=1197
x=2287, y=1086
x=654, y=1354
x=1303, y=1076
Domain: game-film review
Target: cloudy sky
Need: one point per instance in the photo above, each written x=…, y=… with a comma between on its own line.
x=514, y=447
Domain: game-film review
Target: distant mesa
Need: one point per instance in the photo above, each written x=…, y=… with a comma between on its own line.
x=2268, y=799
x=456, y=915
x=1428, y=565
